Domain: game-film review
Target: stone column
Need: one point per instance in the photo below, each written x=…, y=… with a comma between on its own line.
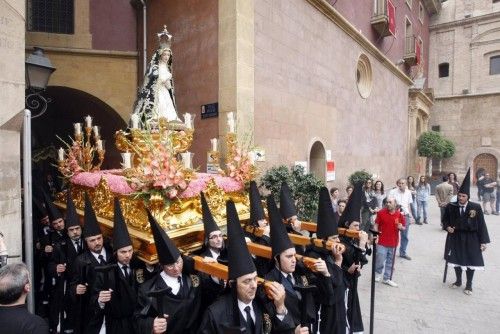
x=12, y=32
x=236, y=65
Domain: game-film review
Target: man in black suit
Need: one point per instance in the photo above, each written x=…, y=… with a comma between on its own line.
x=299, y=301
x=61, y=263
x=246, y=307
x=115, y=290
x=213, y=242
x=180, y=299
x=467, y=236
x=14, y=288
x=83, y=275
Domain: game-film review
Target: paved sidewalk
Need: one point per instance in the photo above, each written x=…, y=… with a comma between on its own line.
x=422, y=303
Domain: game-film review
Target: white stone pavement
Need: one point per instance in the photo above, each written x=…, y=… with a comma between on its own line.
x=422, y=303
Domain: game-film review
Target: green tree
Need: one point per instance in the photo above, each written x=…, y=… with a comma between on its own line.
x=359, y=176
x=304, y=188
x=432, y=145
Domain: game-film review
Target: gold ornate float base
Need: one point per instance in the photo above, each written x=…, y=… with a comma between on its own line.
x=181, y=219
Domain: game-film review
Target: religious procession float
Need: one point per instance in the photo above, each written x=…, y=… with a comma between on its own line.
x=157, y=171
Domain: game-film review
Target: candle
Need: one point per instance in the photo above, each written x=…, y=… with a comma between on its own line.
x=127, y=160
x=230, y=121
x=135, y=121
x=187, y=159
x=99, y=145
x=78, y=128
x=188, y=120
x=88, y=121
x=251, y=157
x=96, y=130
x=214, y=144
x=60, y=153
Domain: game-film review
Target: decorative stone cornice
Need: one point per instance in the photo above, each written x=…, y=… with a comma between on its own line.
x=332, y=14
x=464, y=21
x=91, y=52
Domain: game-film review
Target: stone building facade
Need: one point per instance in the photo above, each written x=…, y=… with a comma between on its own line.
x=465, y=73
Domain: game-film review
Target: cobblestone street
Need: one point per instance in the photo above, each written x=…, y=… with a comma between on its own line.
x=422, y=303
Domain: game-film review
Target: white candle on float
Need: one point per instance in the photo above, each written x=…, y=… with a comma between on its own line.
x=134, y=119
x=127, y=160
x=251, y=157
x=60, y=154
x=88, y=121
x=96, y=130
x=213, y=141
x=99, y=145
x=188, y=120
x=187, y=160
x=230, y=121
x=78, y=128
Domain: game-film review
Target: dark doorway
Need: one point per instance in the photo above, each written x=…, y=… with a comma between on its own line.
x=70, y=106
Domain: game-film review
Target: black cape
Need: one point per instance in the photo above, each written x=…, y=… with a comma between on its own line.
x=220, y=315
x=463, y=247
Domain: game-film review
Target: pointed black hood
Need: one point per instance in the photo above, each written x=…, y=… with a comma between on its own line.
x=71, y=215
x=165, y=247
x=91, y=226
x=121, y=238
x=52, y=211
x=352, y=210
x=327, y=221
x=279, y=236
x=239, y=259
x=287, y=204
x=256, y=209
x=209, y=223
x=465, y=187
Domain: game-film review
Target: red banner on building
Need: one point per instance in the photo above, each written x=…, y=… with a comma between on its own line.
x=391, y=13
x=418, y=50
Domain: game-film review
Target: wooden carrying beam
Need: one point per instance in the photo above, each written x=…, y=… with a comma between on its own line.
x=313, y=227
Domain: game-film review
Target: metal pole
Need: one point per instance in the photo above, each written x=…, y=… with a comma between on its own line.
x=27, y=201
x=372, y=298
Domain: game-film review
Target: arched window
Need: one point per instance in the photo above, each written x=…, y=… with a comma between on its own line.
x=495, y=65
x=53, y=16
x=444, y=70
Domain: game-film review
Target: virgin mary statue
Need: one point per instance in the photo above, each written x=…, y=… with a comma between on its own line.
x=156, y=98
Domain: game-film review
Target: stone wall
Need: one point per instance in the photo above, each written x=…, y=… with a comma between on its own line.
x=12, y=25
x=305, y=90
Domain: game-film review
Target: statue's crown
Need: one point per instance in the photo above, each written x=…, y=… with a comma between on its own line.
x=165, y=39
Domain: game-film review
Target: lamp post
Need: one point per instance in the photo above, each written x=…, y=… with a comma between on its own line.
x=38, y=72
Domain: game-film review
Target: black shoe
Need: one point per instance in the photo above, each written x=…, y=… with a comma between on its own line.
x=406, y=257
x=496, y=213
x=418, y=223
x=425, y=222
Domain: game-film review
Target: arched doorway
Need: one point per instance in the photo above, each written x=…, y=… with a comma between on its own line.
x=70, y=106
x=487, y=162
x=317, y=160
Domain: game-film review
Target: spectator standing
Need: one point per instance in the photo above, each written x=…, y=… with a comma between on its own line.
x=423, y=194
x=368, y=204
x=389, y=222
x=452, y=179
x=489, y=186
x=379, y=194
x=410, y=182
x=444, y=192
x=335, y=195
x=14, y=317
x=404, y=199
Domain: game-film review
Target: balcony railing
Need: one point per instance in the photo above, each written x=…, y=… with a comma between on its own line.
x=410, y=56
x=380, y=18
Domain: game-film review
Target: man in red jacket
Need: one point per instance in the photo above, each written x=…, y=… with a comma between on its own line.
x=389, y=222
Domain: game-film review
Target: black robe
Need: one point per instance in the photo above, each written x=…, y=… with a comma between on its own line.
x=119, y=311
x=353, y=254
x=220, y=315
x=262, y=264
x=183, y=309
x=211, y=289
x=463, y=246
x=17, y=320
x=86, y=319
x=295, y=302
x=332, y=300
x=61, y=307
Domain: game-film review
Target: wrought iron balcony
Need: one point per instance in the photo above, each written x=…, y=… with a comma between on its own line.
x=410, y=56
x=380, y=18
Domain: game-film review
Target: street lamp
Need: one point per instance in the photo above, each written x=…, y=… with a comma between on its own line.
x=38, y=71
